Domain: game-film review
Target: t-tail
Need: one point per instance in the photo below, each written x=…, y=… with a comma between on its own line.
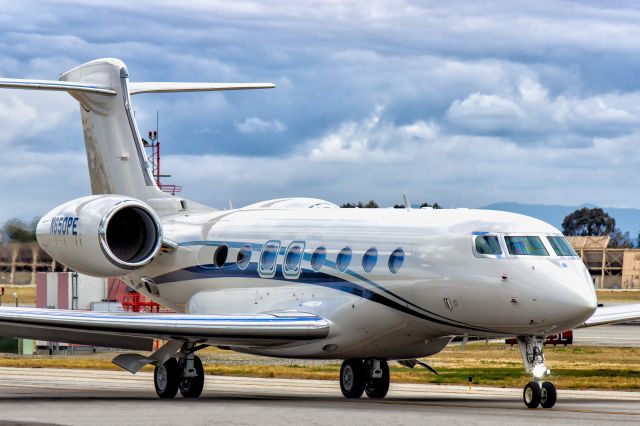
x=115, y=153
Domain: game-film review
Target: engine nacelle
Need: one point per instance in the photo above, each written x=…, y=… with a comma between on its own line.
x=101, y=235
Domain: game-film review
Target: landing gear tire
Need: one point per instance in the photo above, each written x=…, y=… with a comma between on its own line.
x=353, y=378
x=165, y=378
x=532, y=395
x=548, y=395
x=191, y=387
x=378, y=388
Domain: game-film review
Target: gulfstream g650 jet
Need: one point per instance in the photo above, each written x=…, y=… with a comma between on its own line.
x=296, y=278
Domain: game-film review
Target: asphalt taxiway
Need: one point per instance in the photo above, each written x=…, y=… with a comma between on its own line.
x=627, y=335
x=31, y=396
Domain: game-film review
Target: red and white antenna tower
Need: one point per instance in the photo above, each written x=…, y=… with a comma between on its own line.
x=154, y=145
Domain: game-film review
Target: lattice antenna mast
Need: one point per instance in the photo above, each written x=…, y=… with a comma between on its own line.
x=153, y=144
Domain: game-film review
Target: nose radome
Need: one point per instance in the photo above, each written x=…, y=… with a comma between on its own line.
x=581, y=302
x=586, y=304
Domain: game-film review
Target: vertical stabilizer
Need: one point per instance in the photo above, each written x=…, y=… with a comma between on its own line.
x=117, y=160
x=115, y=154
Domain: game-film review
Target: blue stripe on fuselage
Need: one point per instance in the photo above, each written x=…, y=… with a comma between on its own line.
x=307, y=276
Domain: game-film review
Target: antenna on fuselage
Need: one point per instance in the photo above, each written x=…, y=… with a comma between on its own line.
x=407, y=203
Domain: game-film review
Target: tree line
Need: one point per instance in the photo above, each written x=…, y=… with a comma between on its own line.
x=596, y=222
x=18, y=230
x=371, y=204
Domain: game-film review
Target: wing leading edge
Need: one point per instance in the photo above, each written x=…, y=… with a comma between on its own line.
x=134, y=87
x=136, y=331
x=613, y=314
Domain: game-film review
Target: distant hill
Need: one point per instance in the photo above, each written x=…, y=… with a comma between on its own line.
x=626, y=219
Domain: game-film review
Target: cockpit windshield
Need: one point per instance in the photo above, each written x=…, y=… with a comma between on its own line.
x=525, y=245
x=561, y=246
x=488, y=244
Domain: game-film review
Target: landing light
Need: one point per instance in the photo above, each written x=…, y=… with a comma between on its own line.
x=539, y=371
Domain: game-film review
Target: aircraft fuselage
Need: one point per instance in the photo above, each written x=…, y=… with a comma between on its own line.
x=442, y=287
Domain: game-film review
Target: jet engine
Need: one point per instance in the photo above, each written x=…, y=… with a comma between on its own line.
x=101, y=235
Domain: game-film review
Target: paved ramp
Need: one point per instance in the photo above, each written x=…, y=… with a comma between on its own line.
x=113, y=397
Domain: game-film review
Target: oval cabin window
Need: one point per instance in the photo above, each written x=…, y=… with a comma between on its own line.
x=396, y=260
x=370, y=259
x=318, y=258
x=344, y=259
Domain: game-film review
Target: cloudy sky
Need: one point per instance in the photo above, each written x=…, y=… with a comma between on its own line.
x=462, y=102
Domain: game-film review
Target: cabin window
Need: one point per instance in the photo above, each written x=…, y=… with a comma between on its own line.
x=396, y=260
x=268, y=259
x=244, y=257
x=488, y=244
x=344, y=259
x=525, y=245
x=293, y=259
x=561, y=246
x=369, y=259
x=318, y=258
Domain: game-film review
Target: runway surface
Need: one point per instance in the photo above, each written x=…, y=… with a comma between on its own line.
x=110, y=397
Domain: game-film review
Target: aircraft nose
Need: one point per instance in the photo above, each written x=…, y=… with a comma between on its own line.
x=584, y=305
x=580, y=302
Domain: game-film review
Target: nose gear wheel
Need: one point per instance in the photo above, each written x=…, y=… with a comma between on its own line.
x=536, y=393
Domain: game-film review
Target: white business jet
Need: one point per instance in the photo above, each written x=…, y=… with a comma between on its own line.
x=296, y=277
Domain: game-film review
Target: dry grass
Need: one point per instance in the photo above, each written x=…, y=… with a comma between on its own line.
x=71, y=362
x=574, y=367
x=618, y=295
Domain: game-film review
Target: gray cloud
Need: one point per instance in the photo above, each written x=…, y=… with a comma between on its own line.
x=258, y=125
x=461, y=102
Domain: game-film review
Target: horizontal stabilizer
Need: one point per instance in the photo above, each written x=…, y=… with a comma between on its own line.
x=168, y=87
x=55, y=85
x=134, y=88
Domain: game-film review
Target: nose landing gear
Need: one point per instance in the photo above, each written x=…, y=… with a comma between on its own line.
x=536, y=392
x=358, y=376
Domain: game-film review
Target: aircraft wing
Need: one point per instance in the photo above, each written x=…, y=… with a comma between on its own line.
x=613, y=314
x=137, y=330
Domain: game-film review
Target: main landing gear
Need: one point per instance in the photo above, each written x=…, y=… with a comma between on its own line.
x=364, y=375
x=536, y=392
x=185, y=374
